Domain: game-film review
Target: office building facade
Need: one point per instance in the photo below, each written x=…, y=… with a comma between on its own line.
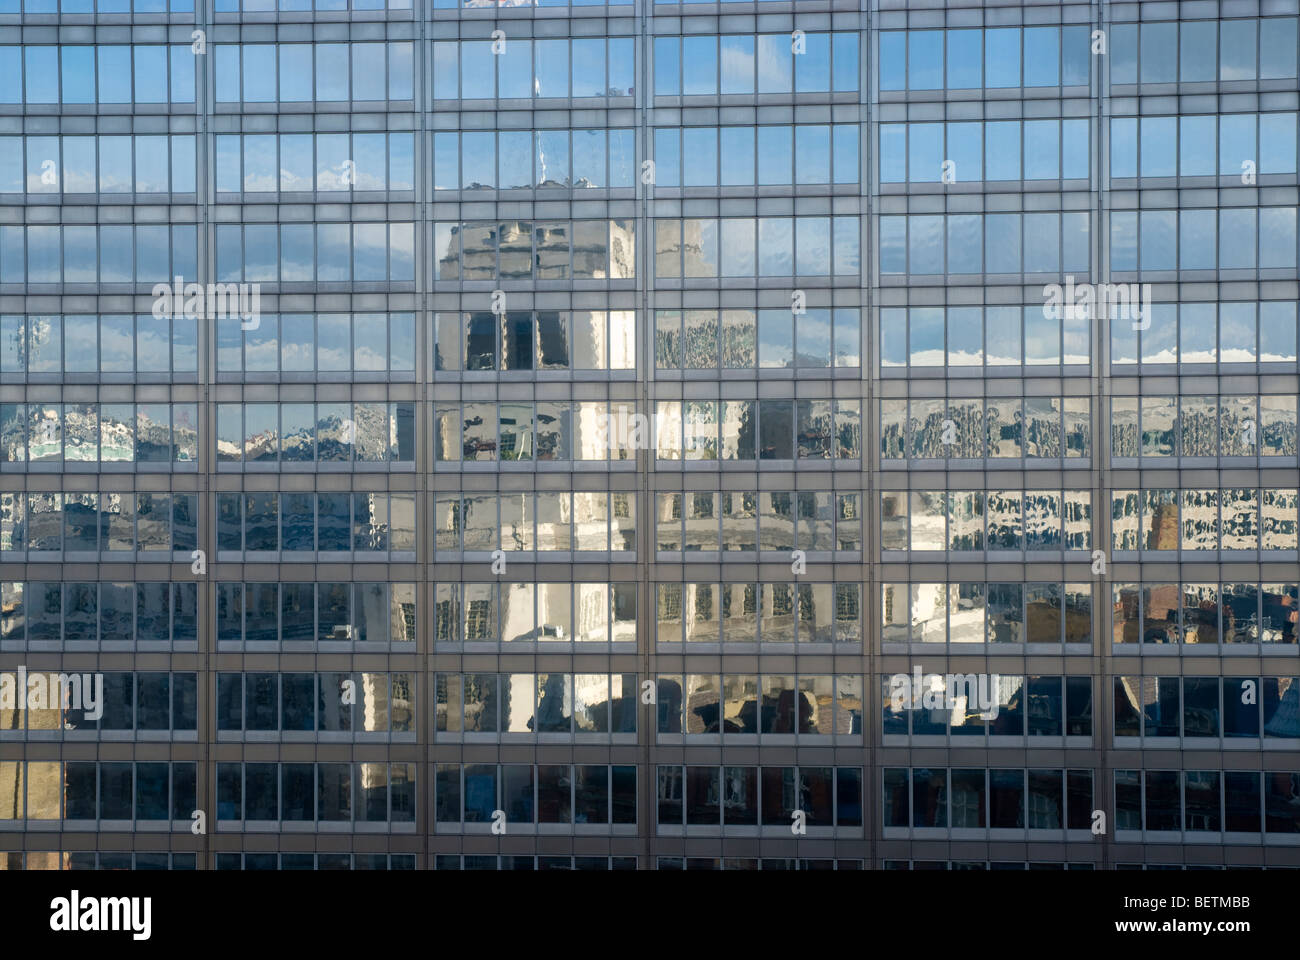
x=782, y=435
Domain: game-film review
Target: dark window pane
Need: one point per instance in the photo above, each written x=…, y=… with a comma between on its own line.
x=780, y=789
x=702, y=796
x=591, y=794
x=554, y=800
x=1162, y=801
x=153, y=710
x=116, y=791
x=80, y=793
x=740, y=796
x=298, y=791
x=1006, y=799
x=298, y=701
x=151, y=791
x=517, y=793
x=261, y=792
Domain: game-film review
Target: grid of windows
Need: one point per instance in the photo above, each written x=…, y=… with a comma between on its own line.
x=956, y=800
x=144, y=795
x=328, y=703
x=153, y=433
x=511, y=706
x=759, y=520
x=148, y=705
x=339, y=794
x=1021, y=706
x=693, y=797
x=578, y=416
x=468, y=797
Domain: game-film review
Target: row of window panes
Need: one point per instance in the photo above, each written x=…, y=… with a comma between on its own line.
x=90, y=254
x=751, y=863
x=582, y=794
x=322, y=252
x=1228, y=239
x=322, y=612
x=315, y=433
x=1183, y=146
x=1198, y=51
x=548, y=340
x=479, y=4
x=1190, y=707
x=55, y=344
x=985, y=58
x=311, y=861
x=760, y=705
x=1193, y=51
x=766, y=247
x=758, y=429
x=766, y=612
x=523, y=159
x=555, y=430
x=992, y=613
x=553, y=613
x=993, y=865
x=103, y=74
x=524, y=68
x=956, y=520
x=997, y=428
x=746, y=521
x=708, y=64
x=267, y=6
x=544, y=521
x=766, y=155
x=1250, y=519
x=317, y=343
x=107, y=860
x=527, y=704
x=320, y=792
x=372, y=161
x=369, y=524
x=1204, y=612
x=1245, y=426
x=153, y=794
x=985, y=150
x=991, y=799
x=582, y=521
x=1033, y=706
x=744, y=338
x=165, y=613
x=454, y=861
x=68, y=164
x=1241, y=332
x=142, y=702
x=752, y=796
x=109, y=613
x=316, y=702
x=95, y=6
x=986, y=243
x=379, y=72
x=535, y=250
x=98, y=433
x=154, y=525
x=1207, y=801
x=991, y=336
